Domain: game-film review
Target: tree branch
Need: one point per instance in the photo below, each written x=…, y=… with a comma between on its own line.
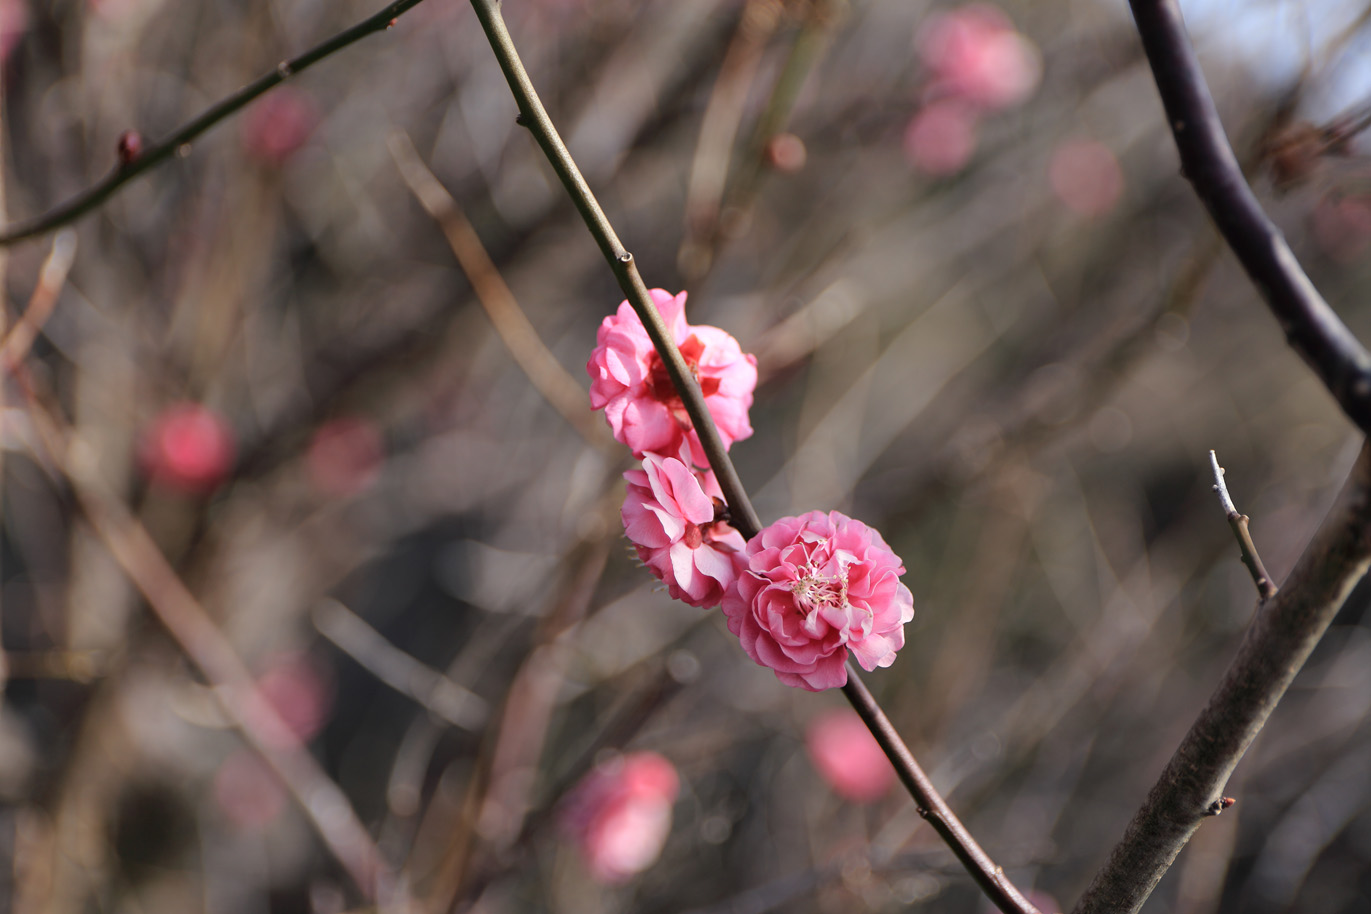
x=931, y=806
x=1280, y=640
x=533, y=116
x=1311, y=327
x=1266, y=588
x=94, y=197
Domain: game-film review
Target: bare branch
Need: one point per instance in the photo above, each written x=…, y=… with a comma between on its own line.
x=1266, y=588
x=190, y=626
x=1280, y=640
x=178, y=144
x=1207, y=160
x=520, y=337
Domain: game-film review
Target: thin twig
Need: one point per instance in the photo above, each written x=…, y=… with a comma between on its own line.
x=1266, y=588
x=515, y=330
x=178, y=143
x=1275, y=647
x=437, y=693
x=53, y=275
x=1311, y=327
x=132, y=547
x=533, y=116
x=931, y=806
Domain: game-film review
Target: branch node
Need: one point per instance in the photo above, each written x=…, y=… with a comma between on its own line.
x=284, y=70
x=1219, y=805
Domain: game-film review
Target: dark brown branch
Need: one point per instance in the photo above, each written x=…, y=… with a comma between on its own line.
x=93, y=197
x=1311, y=327
x=1280, y=640
x=1266, y=588
x=931, y=805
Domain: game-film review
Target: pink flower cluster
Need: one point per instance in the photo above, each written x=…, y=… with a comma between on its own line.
x=669, y=511
x=819, y=587
x=977, y=64
x=620, y=815
x=803, y=593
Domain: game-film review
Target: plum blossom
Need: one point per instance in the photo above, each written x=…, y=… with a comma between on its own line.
x=668, y=515
x=620, y=815
x=941, y=138
x=276, y=127
x=848, y=756
x=188, y=448
x=818, y=587
x=1085, y=175
x=973, y=53
x=628, y=380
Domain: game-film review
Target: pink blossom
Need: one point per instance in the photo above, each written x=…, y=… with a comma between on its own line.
x=974, y=53
x=188, y=448
x=941, y=138
x=277, y=126
x=247, y=791
x=668, y=515
x=298, y=692
x=14, y=22
x=620, y=814
x=848, y=756
x=1086, y=177
x=629, y=381
x=345, y=456
x=819, y=586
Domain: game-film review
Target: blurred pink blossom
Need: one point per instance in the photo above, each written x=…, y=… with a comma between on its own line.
x=973, y=53
x=668, y=515
x=278, y=124
x=620, y=814
x=296, y=690
x=1086, y=177
x=941, y=138
x=819, y=586
x=14, y=22
x=848, y=756
x=1342, y=227
x=188, y=448
x=344, y=456
x=247, y=791
x=629, y=381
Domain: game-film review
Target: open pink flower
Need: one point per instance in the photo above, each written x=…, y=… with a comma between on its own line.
x=668, y=515
x=848, y=756
x=629, y=381
x=620, y=815
x=819, y=586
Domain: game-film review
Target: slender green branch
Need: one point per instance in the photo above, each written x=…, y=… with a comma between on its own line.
x=93, y=197
x=533, y=116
